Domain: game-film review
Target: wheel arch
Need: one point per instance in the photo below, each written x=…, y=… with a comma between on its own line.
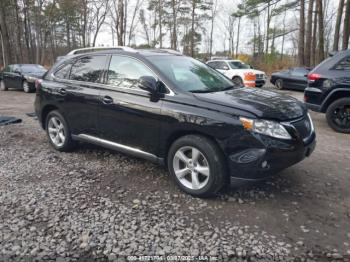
x=181, y=133
x=333, y=96
x=45, y=111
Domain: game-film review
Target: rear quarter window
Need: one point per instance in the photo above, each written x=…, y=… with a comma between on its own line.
x=63, y=71
x=343, y=64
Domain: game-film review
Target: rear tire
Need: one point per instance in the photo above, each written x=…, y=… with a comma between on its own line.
x=338, y=115
x=279, y=84
x=197, y=165
x=2, y=86
x=58, y=132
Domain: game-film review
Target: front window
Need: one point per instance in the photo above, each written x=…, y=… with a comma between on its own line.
x=125, y=72
x=238, y=65
x=188, y=74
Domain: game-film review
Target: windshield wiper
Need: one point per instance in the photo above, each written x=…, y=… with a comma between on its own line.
x=202, y=91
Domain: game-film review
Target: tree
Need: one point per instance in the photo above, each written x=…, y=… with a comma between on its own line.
x=337, y=25
x=301, y=42
x=346, y=34
x=320, y=31
x=308, y=38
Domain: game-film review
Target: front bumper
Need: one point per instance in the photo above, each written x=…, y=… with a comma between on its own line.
x=256, y=83
x=254, y=157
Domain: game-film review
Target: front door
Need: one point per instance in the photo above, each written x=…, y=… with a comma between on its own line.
x=128, y=115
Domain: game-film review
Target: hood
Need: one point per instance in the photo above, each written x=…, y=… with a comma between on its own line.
x=262, y=103
x=249, y=70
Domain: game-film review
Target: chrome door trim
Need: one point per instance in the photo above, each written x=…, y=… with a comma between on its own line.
x=118, y=147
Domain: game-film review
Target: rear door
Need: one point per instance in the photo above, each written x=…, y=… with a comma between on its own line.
x=298, y=78
x=8, y=76
x=129, y=115
x=17, y=77
x=79, y=92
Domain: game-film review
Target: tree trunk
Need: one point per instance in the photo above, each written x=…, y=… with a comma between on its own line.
x=314, y=38
x=268, y=26
x=174, y=33
x=238, y=33
x=301, y=42
x=308, y=39
x=160, y=22
x=337, y=25
x=346, y=34
x=320, y=32
x=192, y=26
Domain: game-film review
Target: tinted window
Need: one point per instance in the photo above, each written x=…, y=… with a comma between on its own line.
x=299, y=72
x=191, y=75
x=63, y=71
x=7, y=69
x=238, y=65
x=88, y=69
x=212, y=64
x=221, y=65
x=344, y=64
x=125, y=72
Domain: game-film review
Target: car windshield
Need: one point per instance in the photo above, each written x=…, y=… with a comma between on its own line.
x=32, y=69
x=191, y=75
x=238, y=65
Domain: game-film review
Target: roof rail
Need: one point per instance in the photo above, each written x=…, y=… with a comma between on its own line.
x=101, y=48
x=171, y=51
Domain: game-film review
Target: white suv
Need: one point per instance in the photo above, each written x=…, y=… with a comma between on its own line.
x=239, y=72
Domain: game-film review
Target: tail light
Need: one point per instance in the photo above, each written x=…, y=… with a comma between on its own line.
x=313, y=77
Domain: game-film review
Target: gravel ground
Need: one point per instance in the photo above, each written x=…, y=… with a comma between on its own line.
x=97, y=204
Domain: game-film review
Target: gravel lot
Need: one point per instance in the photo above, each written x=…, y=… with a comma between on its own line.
x=95, y=203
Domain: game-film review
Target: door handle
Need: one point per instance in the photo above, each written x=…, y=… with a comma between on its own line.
x=107, y=100
x=62, y=91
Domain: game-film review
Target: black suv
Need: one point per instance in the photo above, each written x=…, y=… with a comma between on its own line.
x=176, y=111
x=328, y=90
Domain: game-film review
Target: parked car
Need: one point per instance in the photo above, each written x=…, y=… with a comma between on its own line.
x=21, y=76
x=328, y=90
x=240, y=73
x=173, y=110
x=293, y=78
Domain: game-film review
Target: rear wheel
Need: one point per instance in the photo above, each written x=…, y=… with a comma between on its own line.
x=279, y=84
x=197, y=165
x=2, y=86
x=237, y=81
x=338, y=115
x=58, y=132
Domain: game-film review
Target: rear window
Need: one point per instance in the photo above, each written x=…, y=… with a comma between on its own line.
x=88, y=68
x=63, y=71
x=343, y=64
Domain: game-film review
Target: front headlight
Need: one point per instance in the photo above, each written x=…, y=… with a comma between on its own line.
x=265, y=127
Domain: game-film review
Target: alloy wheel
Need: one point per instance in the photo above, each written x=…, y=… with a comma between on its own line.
x=56, y=131
x=341, y=116
x=26, y=87
x=191, y=168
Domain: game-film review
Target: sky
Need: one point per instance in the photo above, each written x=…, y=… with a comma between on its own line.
x=225, y=8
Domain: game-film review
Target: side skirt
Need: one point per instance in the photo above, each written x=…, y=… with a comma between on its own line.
x=119, y=147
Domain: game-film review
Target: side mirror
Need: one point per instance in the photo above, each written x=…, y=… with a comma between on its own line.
x=251, y=67
x=148, y=83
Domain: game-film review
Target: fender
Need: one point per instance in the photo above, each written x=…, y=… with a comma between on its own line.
x=326, y=102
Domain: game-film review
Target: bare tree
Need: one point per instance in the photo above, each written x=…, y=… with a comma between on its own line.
x=301, y=42
x=213, y=15
x=337, y=25
x=346, y=34
x=320, y=31
x=308, y=38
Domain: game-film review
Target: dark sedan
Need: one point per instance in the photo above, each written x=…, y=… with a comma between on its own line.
x=21, y=76
x=293, y=78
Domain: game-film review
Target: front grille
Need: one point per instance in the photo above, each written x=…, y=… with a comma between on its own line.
x=304, y=127
x=259, y=76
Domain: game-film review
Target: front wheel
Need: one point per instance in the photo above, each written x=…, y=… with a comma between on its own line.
x=338, y=115
x=237, y=81
x=2, y=86
x=58, y=132
x=197, y=165
x=26, y=87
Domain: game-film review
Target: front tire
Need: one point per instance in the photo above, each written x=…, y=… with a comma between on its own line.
x=197, y=165
x=2, y=86
x=338, y=115
x=279, y=84
x=26, y=87
x=58, y=132
x=237, y=81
